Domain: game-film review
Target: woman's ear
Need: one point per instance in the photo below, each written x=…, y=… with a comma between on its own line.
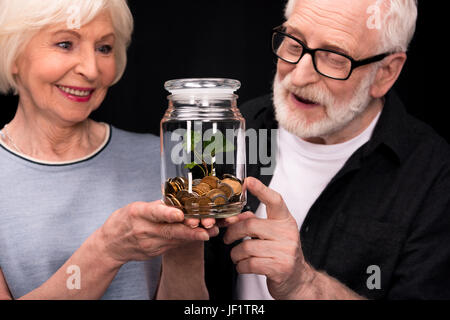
x=14, y=68
x=387, y=74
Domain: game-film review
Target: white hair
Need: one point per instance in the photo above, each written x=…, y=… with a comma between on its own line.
x=20, y=20
x=397, y=27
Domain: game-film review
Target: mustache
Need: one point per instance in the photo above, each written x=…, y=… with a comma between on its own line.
x=309, y=92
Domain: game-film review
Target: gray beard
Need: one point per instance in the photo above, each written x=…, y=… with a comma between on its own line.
x=338, y=114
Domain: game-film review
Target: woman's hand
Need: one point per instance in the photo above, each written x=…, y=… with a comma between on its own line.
x=142, y=230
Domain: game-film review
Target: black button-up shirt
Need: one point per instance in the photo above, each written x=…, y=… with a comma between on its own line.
x=388, y=207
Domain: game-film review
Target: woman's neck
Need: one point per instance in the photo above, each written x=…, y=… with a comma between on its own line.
x=37, y=137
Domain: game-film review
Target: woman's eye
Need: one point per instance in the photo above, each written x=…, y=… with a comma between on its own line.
x=106, y=49
x=65, y=45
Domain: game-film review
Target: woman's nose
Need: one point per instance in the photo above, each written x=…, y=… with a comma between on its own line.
x=87, y=65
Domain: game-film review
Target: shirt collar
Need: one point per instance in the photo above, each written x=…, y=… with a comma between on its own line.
x=392, y=130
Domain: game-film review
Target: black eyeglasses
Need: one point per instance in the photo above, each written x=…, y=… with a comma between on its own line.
x=329, y=63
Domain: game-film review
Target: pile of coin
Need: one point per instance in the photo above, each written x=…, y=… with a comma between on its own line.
x=205, y=193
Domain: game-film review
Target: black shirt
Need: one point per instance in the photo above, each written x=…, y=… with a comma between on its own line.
x=389, y=207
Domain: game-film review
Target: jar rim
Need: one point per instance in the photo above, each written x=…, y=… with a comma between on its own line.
x=202, y=85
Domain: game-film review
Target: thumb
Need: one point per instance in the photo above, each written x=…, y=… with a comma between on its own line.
x=275, y=206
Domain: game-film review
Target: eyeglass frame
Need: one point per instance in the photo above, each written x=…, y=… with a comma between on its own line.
x=354, y=63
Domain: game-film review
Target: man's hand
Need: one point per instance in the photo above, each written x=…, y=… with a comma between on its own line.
x=275, y=249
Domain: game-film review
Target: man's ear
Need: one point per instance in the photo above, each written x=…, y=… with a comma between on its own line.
x=387, y=74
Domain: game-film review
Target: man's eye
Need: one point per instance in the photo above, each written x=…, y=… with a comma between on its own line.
x=106, y=49
x=67, y=45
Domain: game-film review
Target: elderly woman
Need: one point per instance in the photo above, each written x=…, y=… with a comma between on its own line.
x=76, y=217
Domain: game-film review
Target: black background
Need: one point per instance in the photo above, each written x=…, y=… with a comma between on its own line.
x=231, y=39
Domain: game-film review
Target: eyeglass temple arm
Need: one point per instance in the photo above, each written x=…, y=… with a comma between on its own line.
x=379, y=57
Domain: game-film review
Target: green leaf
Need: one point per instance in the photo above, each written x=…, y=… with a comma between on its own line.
x=190, y=166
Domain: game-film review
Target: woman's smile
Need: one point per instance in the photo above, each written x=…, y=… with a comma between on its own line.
x=77, y=94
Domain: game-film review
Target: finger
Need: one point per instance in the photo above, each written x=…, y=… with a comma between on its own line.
x=275, y=206
x=254, y=228
x=191, y=222
x=156, y=212
x=181, y=232
x=240, y=217
x=252, y=248
x=208, y=222
x=213, y=231
x=255, y=265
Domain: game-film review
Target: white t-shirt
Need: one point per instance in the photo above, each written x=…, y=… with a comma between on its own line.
x=302, y=172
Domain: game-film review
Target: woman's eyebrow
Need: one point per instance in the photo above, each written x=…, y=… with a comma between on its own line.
x=76, y=34
x=111, y=34
x=67, y=31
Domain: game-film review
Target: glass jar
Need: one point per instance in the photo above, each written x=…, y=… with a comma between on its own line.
x=203, y=148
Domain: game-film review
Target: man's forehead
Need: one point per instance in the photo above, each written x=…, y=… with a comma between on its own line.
x=341, y=6
x=342, y=22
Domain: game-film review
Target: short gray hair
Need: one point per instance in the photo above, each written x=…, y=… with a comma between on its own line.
x=398, y=23
x=20, y=20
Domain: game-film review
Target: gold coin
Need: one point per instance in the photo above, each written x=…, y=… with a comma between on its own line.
x=203, y=187
x=168, y=188
x=230, y=176
x=174, y=201
x=181, y=182
x=211, y=181
x=234, y=184
x=167, y=201
x=215, y=192
x=191, y=202
x=219, y=199
x=227, y=189
x=183, y=195
x=198, y=192
x=204, y=201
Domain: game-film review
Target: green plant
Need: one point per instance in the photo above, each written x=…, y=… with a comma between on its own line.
x=208, y=148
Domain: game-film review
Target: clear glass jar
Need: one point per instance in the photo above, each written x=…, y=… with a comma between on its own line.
x=203, y=148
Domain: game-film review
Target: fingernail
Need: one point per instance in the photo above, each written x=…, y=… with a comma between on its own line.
x=204, y=236
x=178, y=214
x=209, y=226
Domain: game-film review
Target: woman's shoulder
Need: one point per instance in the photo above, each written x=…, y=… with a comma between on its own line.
x=132, y=143
x=122, y=136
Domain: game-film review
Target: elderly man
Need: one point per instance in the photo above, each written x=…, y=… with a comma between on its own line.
x=359, y=203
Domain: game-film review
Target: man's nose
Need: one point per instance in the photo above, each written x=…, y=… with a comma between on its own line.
x=87, y=65
x=304, y=72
